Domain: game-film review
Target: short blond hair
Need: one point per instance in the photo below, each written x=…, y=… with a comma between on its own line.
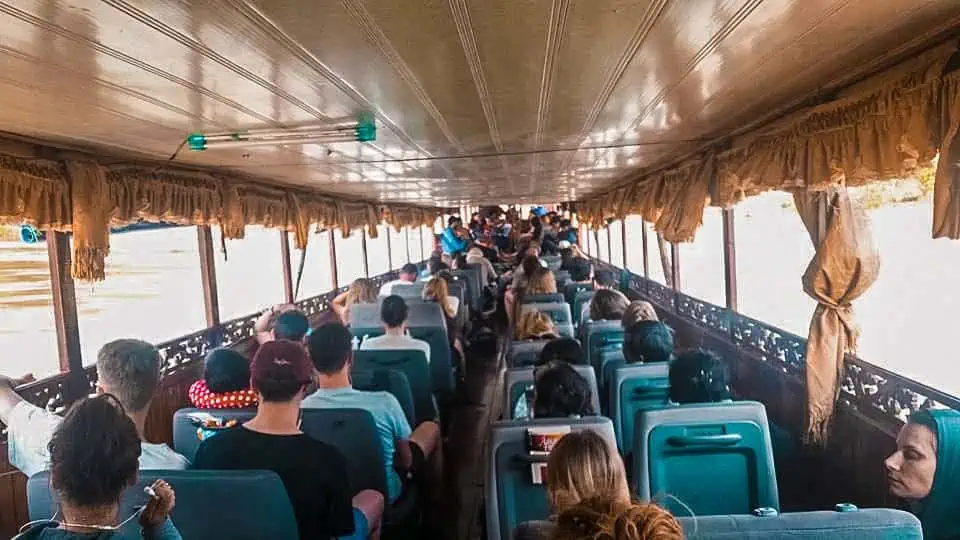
x=535, y=325
x=639, y=310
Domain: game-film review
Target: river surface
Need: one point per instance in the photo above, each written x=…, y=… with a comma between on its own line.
x=908, y=318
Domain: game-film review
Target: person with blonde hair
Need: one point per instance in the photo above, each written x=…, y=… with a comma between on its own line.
x=541, y=281
x=590, y=498
x=535, y=325
x=638, y=310
x=603, y=518
x=361, y=291
x=436, y=290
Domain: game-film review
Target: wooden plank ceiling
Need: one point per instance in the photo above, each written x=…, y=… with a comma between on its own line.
x=550, y=100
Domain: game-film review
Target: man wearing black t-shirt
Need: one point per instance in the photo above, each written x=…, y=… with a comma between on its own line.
x=314, y=473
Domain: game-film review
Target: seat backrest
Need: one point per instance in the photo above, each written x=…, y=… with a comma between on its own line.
x=413, y=364
x=571, y=290
x=546, y=298
x=386, y=380
x=512, y=497
x=409, y=290
x=354, y=433
x=867, y=524
x=716, y=458
x=634, y=387
x=471, y=291
x=600, y=337
x=426, y=322
x=476, y=280
x=520, y=379
x=525, y=353
x=186, y=441
x=562, y=277
x=581, y=298
x=210, y=504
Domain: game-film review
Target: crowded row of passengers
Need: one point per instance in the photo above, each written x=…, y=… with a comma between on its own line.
x=94, y=452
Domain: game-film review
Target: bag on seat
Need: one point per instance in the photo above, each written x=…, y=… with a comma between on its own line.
x=239, y=505
x=186, y=440
x=714, y=457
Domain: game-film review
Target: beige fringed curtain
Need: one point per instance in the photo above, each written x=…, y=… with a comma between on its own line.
x=92, y=207
x=36, y=192
x=845, y=265
x=946, y=191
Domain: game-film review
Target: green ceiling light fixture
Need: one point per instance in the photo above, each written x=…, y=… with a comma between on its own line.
x=363, y=128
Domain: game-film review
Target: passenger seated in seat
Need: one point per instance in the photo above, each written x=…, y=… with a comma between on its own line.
x=436, y=290
x=566, y=350
x=581, y=270
x=601, y=517
x=282, y=321
x=394, y=313
x=488, y=273
x=535, y=325
x=225, y=383
x=314, y=473
x=94, y=453
x=699, y=376
x=361, y=291
x=129, y=369
x=924, y=470
x=406, y=452
x=604, y=279
x=608, y=305
x=638, y=310
x=647, y=341
x=408, y=276
x=560, y=392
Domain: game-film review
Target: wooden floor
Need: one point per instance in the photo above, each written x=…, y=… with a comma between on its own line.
x=466, y=446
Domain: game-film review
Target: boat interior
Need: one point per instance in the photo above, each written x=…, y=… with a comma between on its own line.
x=331, y=119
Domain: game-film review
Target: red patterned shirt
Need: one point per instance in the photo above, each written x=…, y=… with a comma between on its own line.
x=202, y=398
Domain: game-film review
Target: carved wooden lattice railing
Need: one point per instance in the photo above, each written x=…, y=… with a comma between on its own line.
x=179, y=355
x=871, y=390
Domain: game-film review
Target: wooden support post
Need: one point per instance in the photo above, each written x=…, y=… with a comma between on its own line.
x=596, y=243
x=729, y=259
x=333, y=261
x=675, y=265
x=406, y=237
x=389, y=249
x=646, y=251
x=609, y=245
x=423, y=255
x=65, y=314
x=208, y=276
x=363, y=252
x=623, y=240
x=288, y=291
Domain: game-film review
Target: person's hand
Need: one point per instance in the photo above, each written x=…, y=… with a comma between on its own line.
x=13, y=382
x=159, y=507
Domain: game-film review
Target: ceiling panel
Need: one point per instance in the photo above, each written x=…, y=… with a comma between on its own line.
x=492, y=101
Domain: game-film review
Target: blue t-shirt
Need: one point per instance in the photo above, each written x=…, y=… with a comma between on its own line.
x=391, y=423
x=450, y=243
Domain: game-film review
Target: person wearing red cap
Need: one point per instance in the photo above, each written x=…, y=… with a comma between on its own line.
x=314, y=473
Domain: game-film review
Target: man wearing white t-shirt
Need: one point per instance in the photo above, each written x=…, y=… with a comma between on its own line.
x=408, y=276
x=129, y=369
x=393, y=313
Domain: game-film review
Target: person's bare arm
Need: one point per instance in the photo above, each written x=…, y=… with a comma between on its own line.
x=339, y=306
x=8, y=396
x=403, y=458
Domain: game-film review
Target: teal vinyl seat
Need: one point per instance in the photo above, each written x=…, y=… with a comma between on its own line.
x=562, y=277
x=553, y=262
x=635, y=387
x=354, y=433
x=525, y=353
x=571, y=290
x=580, y=304
x=867, y=524
x=386, y=380
x=716, y=458
x=186, y=442
x=409, y=291
x=241, y=505
x=518, y=380
x=426, y=321
x=601, y=338
x=413, y=364
x=475, y=275
x=559, y=313
x=546, y=298
x=511, y=497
